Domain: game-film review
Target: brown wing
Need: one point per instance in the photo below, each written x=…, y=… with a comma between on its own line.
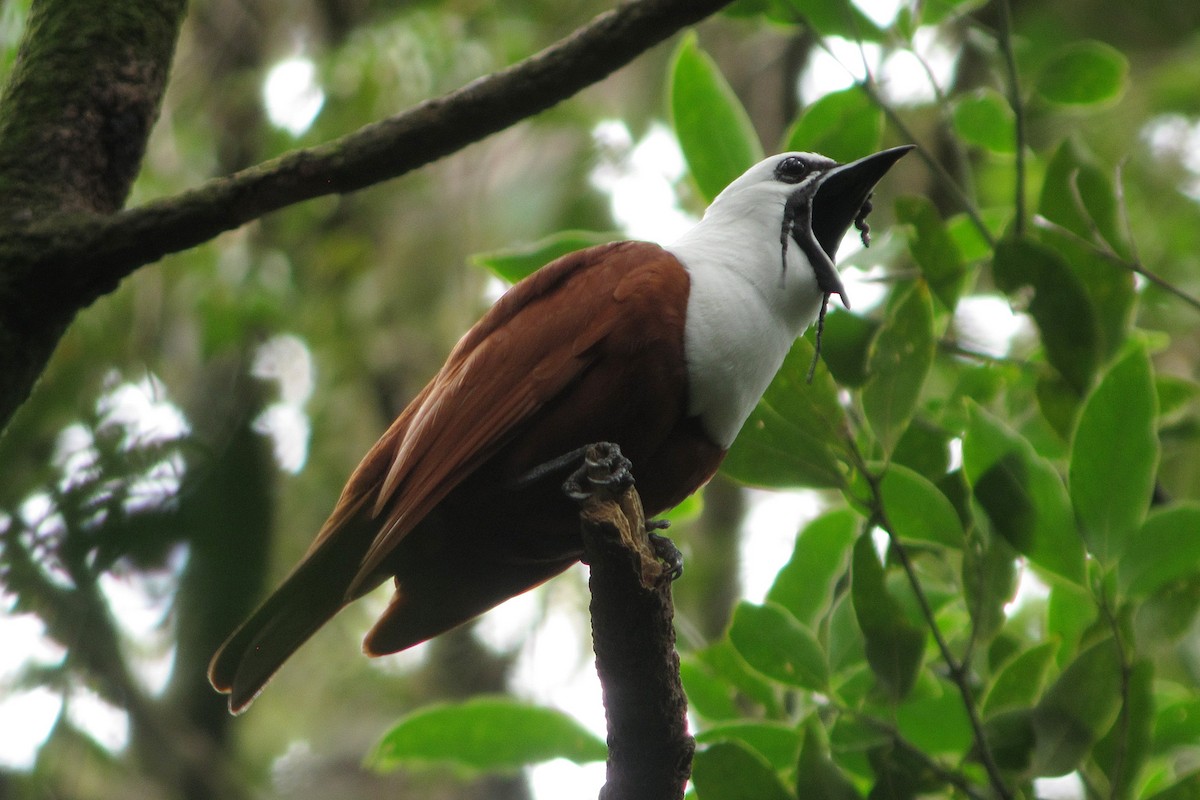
x=520, y=356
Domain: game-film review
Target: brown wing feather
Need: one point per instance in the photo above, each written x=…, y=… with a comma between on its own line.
x=499, y=375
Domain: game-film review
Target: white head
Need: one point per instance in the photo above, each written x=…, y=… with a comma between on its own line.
x=761, y=264
x=806, y=200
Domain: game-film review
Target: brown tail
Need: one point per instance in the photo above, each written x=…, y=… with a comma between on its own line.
x=307, y=599
x=442, y=593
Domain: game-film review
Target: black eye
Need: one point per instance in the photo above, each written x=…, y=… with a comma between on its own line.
x=791, y=170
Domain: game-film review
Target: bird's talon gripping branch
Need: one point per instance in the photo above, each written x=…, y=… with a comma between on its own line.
x=603, y=467
x=666, y=552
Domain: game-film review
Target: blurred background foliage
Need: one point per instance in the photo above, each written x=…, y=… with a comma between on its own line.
x=195, y=426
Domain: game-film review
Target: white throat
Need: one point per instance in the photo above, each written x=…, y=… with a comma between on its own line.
x=744, y=310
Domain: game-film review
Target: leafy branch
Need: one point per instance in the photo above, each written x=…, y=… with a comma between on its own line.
x=947, y=775
x=1100, y=246
x=958, y=670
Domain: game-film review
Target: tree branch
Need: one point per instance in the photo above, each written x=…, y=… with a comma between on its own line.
x=649, y=747
x=115, y=246
x=54, y=265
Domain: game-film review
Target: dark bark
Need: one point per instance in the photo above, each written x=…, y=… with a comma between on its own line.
x=649, y=747
x=75, y=116
x=57, y=257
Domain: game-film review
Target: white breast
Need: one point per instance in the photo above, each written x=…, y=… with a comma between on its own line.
x=744, y=312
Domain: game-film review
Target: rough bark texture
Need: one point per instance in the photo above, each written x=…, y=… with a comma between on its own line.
x=649, y=747
x=74, y=119
x=61, y=247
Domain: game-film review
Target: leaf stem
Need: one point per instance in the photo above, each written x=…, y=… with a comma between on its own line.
x=1004, y=37
x=1121, y=749
x=1106, y=252
x=945, y=774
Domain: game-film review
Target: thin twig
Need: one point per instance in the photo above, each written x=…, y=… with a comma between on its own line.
x=1121, y=750
x=945, y=774
x=1004, y=38
x=1110, y=255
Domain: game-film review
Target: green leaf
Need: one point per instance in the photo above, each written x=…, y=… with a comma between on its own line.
x=846, y=342
x=1060, y=306
x=778, y=743
x=970, y=240
x=732, y=771
x=1114, y=456
x=989, y=576
x=1187, y=788
x=901, y=773
x=1022, y=494
x=936, y=722
x=1122, y=752
x=708, y=693
x=1080, y=196
x=714, y=131
x=819, y=560
x=899, y=362
x=1166, y=549
x=485, y=734
x=776, y=644
x=847, y=651
x=836, y=18
x=895, y=647
x=917, y=510
x=1077, y=709
x=935, y=11
x=1070, y=611
x=818, y=777
x=985, y=118
x=843, y=125
x=1011, y=738
x=516, y=263
x=1084, y=73
x=1177, y=724
x=722, y=659
x=932, y=248
x=1174, y=393
x=1167, y=615
x=924, y=448
x=793, y=436
x=1020, y=681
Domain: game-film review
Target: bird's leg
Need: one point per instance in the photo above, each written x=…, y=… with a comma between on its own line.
x=554, y=465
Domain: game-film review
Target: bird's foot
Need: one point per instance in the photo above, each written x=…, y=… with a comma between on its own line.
x=665, y=550
x=603, y=467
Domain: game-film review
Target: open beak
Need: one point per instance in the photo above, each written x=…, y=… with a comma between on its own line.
x=838, y=202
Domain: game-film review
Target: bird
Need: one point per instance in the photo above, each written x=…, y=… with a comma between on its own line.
x=663, y=351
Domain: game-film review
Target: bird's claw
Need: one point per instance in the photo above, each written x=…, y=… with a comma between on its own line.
x=666, y=551
x=603, y=467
